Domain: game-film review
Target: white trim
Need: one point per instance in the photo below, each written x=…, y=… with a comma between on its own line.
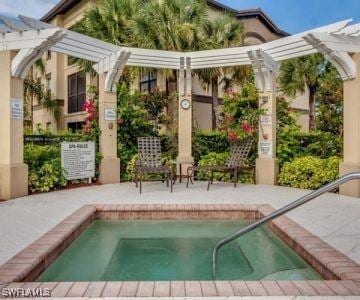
x=340, y=59
x=32, y=38
x=23, y=61
x=115, y=71
x=264, y=67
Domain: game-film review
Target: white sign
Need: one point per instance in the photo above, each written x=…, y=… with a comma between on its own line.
x=265, y=120
x=16, y=109
x=78, y=159
x=110, y=114
x=265, y=148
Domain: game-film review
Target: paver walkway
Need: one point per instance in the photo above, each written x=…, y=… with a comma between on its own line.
x=334, y=218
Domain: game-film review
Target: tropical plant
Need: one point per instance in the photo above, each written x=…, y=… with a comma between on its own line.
x=307, y=72
x=329, y=104
x=222, y=32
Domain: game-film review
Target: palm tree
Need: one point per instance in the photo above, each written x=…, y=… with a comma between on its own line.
x=177, y=25
x=223, y=32
x=299, y=74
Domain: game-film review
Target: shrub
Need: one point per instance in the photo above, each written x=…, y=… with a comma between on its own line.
x=309, y=172
x=205, y=142
x=292, y=144
x=45, y=171
x=214, y=159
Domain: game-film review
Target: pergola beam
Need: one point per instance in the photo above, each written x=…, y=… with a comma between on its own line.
x=23, y=61
x=115, y=71
x=263, y=65
x=324, y=43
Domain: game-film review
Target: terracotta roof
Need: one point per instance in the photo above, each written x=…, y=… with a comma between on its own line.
x=64, y=5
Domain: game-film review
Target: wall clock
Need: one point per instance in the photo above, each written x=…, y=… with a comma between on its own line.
x=185, y=104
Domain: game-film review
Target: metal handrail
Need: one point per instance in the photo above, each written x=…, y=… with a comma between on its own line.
x=302, y=200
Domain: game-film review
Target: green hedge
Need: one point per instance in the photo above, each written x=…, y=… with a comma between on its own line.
x=45, y=172
x=292, y=144
x=44, y=161
x=205, y=142
x=309, y=172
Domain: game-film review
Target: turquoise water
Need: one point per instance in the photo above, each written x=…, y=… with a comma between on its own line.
x=175, y=250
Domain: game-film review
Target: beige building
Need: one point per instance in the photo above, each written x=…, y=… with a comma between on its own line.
x=69, y=87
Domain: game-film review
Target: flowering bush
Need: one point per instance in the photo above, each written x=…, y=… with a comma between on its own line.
x=91, y=128
x=241, y=114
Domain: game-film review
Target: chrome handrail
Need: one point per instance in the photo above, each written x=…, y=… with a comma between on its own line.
x=302, y=200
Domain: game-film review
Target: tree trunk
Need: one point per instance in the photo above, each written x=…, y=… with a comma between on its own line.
x=171, y=89
x=312, y=124
x=215, y=102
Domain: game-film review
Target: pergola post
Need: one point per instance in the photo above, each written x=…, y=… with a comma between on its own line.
x=13, y=171
x=265, y=71
x=110, y=164
x=185, y=157
x=351, y=150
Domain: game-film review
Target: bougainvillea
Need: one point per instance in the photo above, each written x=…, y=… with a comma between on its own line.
x=240, y=116
x=91, y=123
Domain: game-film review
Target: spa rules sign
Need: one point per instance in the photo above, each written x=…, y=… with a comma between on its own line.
x=78, y=159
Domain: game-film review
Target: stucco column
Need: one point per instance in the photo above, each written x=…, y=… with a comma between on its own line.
x=185, y=157
x=110, y=164
x=13, y=171
x=265, y=71
x=267, y=168
x=351, y=161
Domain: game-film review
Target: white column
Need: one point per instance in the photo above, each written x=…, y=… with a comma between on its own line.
x=110, y=164
x=265, y=71
x=13, y=171
x=351, y=125
x=185, y=157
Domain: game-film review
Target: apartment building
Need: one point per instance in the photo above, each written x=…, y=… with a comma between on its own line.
x=68, y=86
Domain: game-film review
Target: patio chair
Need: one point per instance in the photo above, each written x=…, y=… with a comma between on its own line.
x=234, y=165
x=149, y=162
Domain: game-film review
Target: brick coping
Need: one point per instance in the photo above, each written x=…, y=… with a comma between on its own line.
x=341, y=274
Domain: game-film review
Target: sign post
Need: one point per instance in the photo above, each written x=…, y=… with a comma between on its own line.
x=78, y=160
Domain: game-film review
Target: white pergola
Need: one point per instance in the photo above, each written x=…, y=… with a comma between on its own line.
x=30, y=38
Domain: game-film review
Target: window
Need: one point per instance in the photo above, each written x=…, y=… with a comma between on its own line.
x=48, y=125
x=48, y=55
x=148, y=83
x=75, y=126
x=76, y=92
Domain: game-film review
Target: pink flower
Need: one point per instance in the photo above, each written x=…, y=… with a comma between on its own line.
x=246, y=127
x=232, y=135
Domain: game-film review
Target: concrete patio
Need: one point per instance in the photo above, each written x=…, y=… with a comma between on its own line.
x=332, y=217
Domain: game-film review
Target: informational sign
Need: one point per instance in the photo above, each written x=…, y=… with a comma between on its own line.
x=265, y=120
x=110, y=114
x=265, y=148
x=16, y=109
x=78, y=159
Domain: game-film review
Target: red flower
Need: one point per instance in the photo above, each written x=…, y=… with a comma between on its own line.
x=121, y=121
x=232, y=135
x=246, y=127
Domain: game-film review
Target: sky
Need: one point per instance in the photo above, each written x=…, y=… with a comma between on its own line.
x=290, y=15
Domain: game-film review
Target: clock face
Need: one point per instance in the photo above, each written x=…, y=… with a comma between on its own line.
x=185, y=104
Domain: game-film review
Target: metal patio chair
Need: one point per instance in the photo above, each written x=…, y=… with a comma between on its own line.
x=234, y=165
x=149, y=162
